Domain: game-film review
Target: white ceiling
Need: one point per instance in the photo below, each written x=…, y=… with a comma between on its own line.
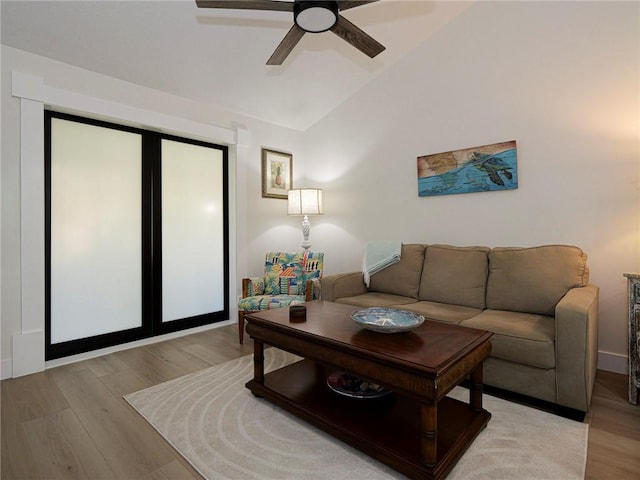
x=218, y=56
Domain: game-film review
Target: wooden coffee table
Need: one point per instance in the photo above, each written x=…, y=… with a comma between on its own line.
x=417, y=430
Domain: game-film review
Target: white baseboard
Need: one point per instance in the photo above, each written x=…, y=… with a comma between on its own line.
x=138, y=343
x=28, y=353
x=613, y=362
x=6, y=369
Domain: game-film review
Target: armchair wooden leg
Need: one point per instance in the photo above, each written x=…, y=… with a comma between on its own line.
x=240, y=326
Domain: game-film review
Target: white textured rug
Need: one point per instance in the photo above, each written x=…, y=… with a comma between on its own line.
x=227, y=433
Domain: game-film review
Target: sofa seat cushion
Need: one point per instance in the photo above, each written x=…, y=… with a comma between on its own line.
x=441, y=312
x=455, y=275
x=518, y=337
x=376, y=299
x=402, y=278
x=268, y=302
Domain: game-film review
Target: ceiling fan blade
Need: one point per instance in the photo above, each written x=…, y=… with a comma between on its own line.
x=356, y=37
x=347, y=4
x=289, y=41
x=274, y=5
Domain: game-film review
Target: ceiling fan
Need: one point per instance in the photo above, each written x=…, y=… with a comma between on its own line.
x=308, y=17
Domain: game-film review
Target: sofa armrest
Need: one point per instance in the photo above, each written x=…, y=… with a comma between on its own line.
x=245, y=287
x=340, y=285
x=577, y=346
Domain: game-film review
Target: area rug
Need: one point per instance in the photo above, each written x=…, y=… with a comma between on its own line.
x=226, y=433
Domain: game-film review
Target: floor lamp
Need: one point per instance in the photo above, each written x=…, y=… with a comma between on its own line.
x=305, y=201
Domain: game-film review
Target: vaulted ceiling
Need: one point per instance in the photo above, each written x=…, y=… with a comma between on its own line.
x=218, y=56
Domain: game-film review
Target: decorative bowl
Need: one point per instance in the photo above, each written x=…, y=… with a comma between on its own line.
x=355, y=387
x=387, y=320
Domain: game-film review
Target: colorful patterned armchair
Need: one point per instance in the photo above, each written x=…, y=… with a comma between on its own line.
x=289, y=278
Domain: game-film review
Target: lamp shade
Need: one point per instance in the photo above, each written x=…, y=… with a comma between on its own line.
x=305, y=201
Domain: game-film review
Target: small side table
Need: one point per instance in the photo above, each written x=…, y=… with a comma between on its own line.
x=633, y=288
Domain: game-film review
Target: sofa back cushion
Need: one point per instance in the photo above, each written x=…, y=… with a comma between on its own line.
x=286, y=273
x=533, y=280
x=402, y=278
x=455, y=275
x=282, y=273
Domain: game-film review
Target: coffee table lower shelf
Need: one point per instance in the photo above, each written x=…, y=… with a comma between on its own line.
x=386, y=428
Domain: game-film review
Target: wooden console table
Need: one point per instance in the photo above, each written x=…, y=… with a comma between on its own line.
x=633, y=284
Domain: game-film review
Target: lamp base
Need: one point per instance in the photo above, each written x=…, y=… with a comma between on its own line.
x=306, y=227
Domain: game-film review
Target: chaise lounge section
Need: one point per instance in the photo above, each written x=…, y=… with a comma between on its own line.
x=537, y=301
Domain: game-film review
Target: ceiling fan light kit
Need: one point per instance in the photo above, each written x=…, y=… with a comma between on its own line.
x=308, y=17
x=315, y=17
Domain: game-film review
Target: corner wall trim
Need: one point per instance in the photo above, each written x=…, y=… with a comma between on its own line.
x=28, y=353
x=27, y=86
x=6, y=369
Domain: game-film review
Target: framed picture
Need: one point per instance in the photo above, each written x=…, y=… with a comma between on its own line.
x=478, y=169
x=276, y=173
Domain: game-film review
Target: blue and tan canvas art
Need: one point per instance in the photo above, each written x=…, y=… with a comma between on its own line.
x=478, y=169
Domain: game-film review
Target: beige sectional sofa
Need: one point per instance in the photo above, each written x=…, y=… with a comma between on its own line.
x=537, y=301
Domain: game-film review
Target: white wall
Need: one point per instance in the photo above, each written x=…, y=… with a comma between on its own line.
x=560, y=78
x=124, y=101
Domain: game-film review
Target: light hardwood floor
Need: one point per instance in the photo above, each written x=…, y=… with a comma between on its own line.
x=71, y=422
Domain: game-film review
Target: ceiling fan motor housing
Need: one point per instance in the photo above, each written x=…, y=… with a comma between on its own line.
x=315, y=16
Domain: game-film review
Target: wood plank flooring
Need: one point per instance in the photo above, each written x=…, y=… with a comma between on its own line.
x=71, y=422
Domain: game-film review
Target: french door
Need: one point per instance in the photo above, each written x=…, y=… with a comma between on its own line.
x=137, y=234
